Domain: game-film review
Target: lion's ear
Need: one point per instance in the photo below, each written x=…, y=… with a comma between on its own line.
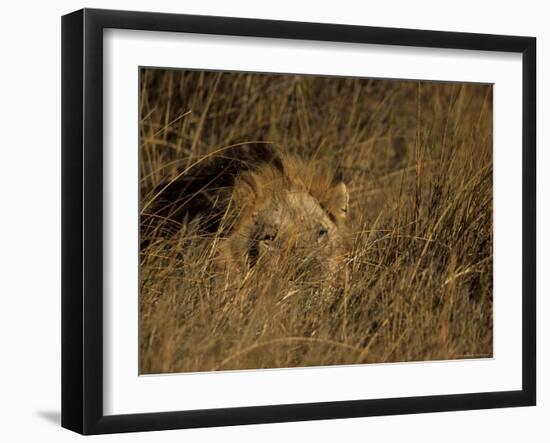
x=338, y=203
x=245, y=191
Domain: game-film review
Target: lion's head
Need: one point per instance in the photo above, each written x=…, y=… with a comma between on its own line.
x=288, y=216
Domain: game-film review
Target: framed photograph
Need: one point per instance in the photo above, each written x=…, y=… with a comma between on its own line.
x=269, y=221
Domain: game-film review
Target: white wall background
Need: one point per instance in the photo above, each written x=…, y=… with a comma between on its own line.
x=30, y=219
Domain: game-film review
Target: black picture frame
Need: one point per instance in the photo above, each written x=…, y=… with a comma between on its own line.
x=82, y=219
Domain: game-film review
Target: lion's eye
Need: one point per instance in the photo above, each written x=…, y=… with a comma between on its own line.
x=322, y=232
x=267, y=237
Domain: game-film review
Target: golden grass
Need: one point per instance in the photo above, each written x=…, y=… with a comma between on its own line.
x=417, y=159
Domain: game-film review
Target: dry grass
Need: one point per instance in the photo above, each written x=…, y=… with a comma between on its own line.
x=417, y=158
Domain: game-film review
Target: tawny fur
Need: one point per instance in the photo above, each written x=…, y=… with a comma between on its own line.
x=289, y=216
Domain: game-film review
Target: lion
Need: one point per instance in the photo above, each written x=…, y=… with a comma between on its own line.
x=287, y=214
x=271, y=211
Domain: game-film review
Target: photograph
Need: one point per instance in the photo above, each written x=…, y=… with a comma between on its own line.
x=290, y=220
